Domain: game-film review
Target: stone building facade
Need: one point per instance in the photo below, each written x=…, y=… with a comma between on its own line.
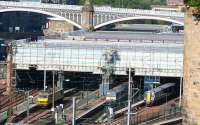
x=191, y=86
x=55, y=25
x=87, y=14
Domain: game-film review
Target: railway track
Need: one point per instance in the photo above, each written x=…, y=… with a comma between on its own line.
x=2, y=90
x=2, y=96
x=6, y=102
x=41, y=113
x=16, y=99
x=16, y=103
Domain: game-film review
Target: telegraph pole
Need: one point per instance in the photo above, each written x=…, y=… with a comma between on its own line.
x=27, y=105
x=74, y=112
x=129, y=97
x=9, y=68
x=9, y=77
x=45, y=79
x=45, y=72
x=53, y=94
x=180, y=92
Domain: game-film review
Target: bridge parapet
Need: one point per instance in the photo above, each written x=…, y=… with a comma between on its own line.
x=97, y=9
x=137, y=11
x=39, y=5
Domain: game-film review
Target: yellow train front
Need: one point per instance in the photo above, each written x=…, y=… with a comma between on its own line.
x=149, y=97
x=161, y=92
x=44, y=98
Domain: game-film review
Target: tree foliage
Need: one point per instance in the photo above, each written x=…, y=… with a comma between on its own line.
x=196, y=5
x=142, y=4
x=193, y=3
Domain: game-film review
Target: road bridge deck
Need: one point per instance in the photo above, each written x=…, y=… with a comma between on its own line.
x=122, y=35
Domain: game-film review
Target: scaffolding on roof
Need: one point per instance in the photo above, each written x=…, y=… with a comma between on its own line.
x=157, y=59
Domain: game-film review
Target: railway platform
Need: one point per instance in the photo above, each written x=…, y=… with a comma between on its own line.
x=86, y=105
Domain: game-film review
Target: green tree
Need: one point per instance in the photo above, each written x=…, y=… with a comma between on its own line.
x=193, y=3
x=141, y=4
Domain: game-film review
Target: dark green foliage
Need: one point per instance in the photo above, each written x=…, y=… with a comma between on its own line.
x=142, y=4
x=196, y=4
x=193, y=3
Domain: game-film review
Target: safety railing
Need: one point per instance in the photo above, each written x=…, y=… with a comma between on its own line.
x=39, y=5
x=88, y=98
x=82, y=103
x=139, y=11
x=124, y=104
x=149, y=118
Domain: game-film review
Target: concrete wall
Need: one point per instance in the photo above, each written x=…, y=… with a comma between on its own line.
x=191, y=88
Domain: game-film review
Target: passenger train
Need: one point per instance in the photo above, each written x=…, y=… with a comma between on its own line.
x=161, y=92
x=117, y=92
x=45, y=98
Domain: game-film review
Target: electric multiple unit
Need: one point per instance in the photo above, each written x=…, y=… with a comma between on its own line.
x=117, y=92
x=45, y=98
x=159, y=93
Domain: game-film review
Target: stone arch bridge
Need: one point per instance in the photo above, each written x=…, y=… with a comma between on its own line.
x=94, y=16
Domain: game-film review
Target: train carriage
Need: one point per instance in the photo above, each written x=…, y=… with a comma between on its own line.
x=159, y=93
x=117, y=92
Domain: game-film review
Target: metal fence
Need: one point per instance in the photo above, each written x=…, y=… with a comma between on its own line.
x=88, y=98
x=124, y=104
x=82, y=102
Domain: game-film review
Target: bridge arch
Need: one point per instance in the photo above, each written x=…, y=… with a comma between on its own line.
x=40, y=12
x=136, y=18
